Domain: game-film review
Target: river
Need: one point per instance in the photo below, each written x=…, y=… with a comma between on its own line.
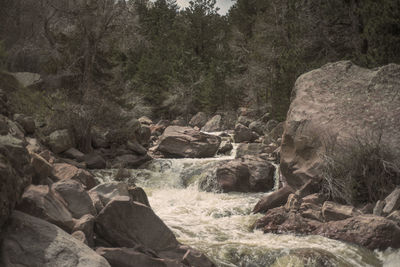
x=220, y=224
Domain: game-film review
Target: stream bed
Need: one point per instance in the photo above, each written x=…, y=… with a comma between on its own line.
x=220, y=224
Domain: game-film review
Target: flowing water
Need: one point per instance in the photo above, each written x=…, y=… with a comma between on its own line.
x=220, y=224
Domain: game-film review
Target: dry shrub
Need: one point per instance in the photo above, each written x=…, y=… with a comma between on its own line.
x=360, y=171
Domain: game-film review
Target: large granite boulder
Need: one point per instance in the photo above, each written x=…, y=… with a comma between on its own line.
x=30, y=241
x=339, y=101
x=185, y=142
x=41, y=202
x=248, y=174
x=244, y=134
x=125, y=223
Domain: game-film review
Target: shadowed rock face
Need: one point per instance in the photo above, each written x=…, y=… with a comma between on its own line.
x=29, y=241
x=339, y=101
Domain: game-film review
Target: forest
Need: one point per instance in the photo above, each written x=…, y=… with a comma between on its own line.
x=177, y=62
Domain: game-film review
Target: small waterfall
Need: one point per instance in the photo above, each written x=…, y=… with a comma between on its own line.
x=220, y=224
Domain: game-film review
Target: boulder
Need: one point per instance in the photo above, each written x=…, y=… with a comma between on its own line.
x=60, y=141
x=332, y=211
x=42, y=168
x=213, y=124
x=225, y=147
x=249, y=174
x=254, y=149
x=187, y=256
x=199, y=120
x=64, y=171
x=79, y=235
x=41, y=202
x=86, y=225
x=130, y=161
x=394, y=216
x=244, y=120
x=271, y=124
x=136, y=147
x=333, y=102
x=33, y=145
x=258, y=127
x=137, y=194
x=107, y=191
x=26, y=122
x=144, y=135
x=128, y=257
x=370, y=231
x=392, y=202
x=185, y=142
x=95, y=161
x=125, y=223
x=244, y=134
x=378, y=209
x=273, y=200
x=77, y=199
x=30, y=241
x=15, y=174
x=74, y=154
x=145, y=120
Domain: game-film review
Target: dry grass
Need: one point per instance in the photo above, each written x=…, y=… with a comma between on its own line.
x=364, y=170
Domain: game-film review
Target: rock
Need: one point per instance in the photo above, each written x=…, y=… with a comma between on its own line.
x=244, y=134
x=33, y=145
x=258, y=127
x=60, y=141
x=332, y=211
x=392, y=201
x=378, y=209
x=244, y=121
x=107, y=191
x=79, y=235
x=41, y=202
x=187, y=256
x=74, y=154
x=86, y=225
x=99, y=138
x=128, y=257
x=63, y=171
x=277, y=131
x=29, y=241
x=26, y=122
x=271, y=124
x=199, y=120
x=137, y=194
x=225, y=147
x=122, y=174
x=293, y=203
x=315, y=199
x=136, y=147
x=250, y=174
x=15, y=173
x=144, y=135
x=49, y=156
x=332, y=102
x=394, y=216
x=185, y=142
x=41, y=167
x=145, y=120
x=367, y=209
x=311, y=211
x=179, y=121
x=213, y=124
x=95, y=161
x=273, y=200
x=370, y=231
x=125, y=223
x=130, y=161
x=253, y=149
x=78, y=200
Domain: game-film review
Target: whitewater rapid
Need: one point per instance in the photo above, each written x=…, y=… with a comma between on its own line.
x=220, y=224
